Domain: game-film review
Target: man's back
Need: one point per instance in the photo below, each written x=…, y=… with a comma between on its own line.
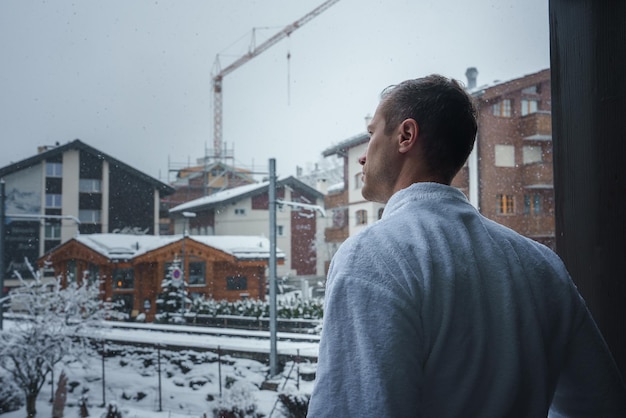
x=437, y=311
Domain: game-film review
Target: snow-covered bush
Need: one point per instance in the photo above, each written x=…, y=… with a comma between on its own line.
x=294, y=404
x=11, y=398
x=292, y=308
x=238, y=402
x=173, y=296
x=56, y=323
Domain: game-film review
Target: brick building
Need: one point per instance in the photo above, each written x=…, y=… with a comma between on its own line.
x=509, y=174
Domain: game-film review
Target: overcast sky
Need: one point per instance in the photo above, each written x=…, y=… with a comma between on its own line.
x=133, y=78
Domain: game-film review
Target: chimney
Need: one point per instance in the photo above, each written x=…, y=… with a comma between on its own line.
x=471, y=74
x=321, y=186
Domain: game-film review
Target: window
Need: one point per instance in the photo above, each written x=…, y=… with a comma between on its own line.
x=380, y=212
x=505, y=156
x=236, y=283
x=240, y=211
x=92, y=274
x=89, y=186
x=53, y=200
x=89, y=216
x=70, y=272
x=123, y=278
x=530, y=90
x=280, y=230
x=197, y=273
x=358, y=181
x=53, y=231
x=361, y=217
x=532, y=154
x=532, y=204
x=502, y=108
x=54, y=169
x=505, y=204
x=529, y=106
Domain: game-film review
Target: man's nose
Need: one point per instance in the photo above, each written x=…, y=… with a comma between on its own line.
x=362, y=159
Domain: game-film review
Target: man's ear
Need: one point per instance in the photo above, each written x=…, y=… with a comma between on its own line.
x=408, y=132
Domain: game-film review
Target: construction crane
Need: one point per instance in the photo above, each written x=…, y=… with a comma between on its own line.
x=219, y=73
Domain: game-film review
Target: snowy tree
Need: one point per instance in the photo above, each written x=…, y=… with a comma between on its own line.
x=173, y=295
x=56, y=323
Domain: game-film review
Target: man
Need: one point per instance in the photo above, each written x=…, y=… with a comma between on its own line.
x=436, y=311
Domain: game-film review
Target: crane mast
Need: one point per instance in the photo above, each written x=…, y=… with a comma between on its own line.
x=218, y=77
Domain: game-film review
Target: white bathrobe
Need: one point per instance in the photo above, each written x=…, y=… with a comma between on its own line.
x=436, y=311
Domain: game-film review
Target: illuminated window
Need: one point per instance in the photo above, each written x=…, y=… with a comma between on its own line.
x=502, y=108
x=505, y=204
x=123, y=278
x=361, y=217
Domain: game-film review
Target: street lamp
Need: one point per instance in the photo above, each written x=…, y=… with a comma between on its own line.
x=186, y=216
x=272, y=264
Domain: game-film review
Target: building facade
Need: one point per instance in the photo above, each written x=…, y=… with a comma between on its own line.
x=510, y=168
x=360, y=212
x=508, y=176
x=244, y=210
x=131, y=268
x=73, y=189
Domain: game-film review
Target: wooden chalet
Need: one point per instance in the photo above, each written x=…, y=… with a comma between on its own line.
x=131, y=268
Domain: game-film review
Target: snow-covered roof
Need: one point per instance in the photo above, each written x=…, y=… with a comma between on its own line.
x=220, y=196
x=126, y=246
x=237, y=193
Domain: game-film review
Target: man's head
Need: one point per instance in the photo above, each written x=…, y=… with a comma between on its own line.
x=423, y=130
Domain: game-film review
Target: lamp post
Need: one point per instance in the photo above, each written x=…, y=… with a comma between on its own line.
x=272, y=264
x=186, y=216
x=2, y=220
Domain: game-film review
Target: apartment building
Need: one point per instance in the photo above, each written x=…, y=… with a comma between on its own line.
x=71, y=189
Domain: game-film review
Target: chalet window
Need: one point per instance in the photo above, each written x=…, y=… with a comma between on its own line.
x=236, y=283
x=53, y=200
x=361, y=217
x=89, y=186
x=502, y=108
x=89, y=216
x=123, y=278
x=504, y=155
x=54, y=169
x=70, y=272
x=240, y=211
x=532, y=204
x=529, y=106
x=197, y=271
x=505, y=204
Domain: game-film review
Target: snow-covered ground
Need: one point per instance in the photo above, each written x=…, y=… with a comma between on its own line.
x=190, y=377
